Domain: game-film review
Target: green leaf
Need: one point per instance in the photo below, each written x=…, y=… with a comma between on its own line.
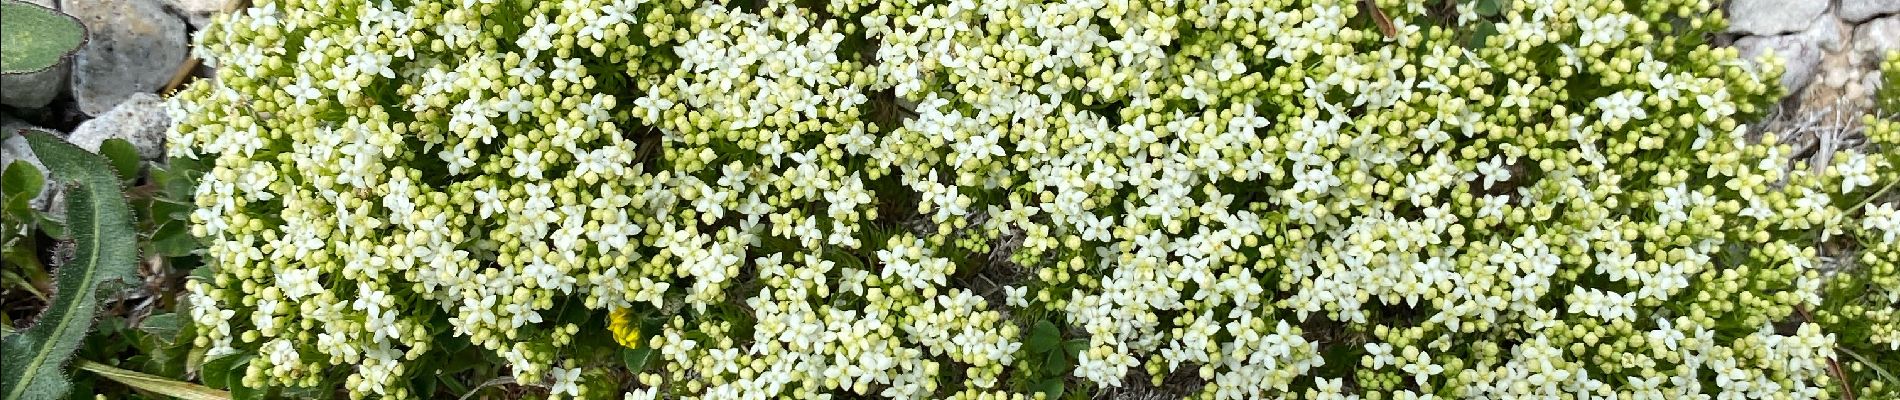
x=174, y=240
x=636, y=359
x=1075, y=347
x=217, y=371
x=1043, y=337
x=178, y=179
x=13, y=280
x=36, y=38
x=28, y=266
x=124, y=157
x=1051, y=388
x=1490, y=8
x=153, y=383
x=21, y=186
x=81, y=390
x=164, y=210
x=165, y=326
x=1057, y=366
x=21, y=180
x=236, y=380
x=423, y=385
x=323, y=390
x=100, y=223
x=52, y=227
x=1485, y=31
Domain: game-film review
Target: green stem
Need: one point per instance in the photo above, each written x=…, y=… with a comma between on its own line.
x=1877, y=193
x=1870, y=364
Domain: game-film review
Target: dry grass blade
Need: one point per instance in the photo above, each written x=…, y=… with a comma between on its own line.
x=153, y=383
x=1379, y=18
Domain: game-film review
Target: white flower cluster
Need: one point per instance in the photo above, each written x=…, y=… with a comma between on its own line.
x=1272, y=198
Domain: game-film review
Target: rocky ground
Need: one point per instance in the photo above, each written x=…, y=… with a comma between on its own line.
x=1832, y=52
x=109, y=88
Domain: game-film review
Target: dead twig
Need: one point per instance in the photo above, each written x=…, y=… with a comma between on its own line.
x=1833, y=365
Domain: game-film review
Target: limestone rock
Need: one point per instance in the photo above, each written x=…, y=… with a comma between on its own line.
x=1861, y=10
x=196, y=12
x=141, y=119
x=1874, y=38
x=135, y=47
x=1801, y=53
x=1773, y=17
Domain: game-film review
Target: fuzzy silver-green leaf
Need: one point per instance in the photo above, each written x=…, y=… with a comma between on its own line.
x=100, y=222
x=33, y=38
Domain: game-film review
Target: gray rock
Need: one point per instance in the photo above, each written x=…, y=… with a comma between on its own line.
x=1773, y=17
x=1861, y=10
x=141, y=119
x=135, y=48
x=1801, y=53
x=14, y=148
x=196, y=12
x=1874, y=38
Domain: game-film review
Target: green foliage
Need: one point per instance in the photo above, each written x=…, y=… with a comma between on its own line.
x=34, y=38
x=22, y=183
x=1047, y=360
x=1263, y=194
x=1888, y=98
x=100, y=220
x=123, y=156
x=1862, y=300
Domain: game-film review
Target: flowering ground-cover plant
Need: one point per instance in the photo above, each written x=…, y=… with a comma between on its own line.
x=1005, y=199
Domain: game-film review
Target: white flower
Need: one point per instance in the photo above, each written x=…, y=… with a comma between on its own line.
x=1621, y=107
x=370, y=64
x=513, y=104
x=567, y=69
x=1493, y=170
x=1014, y=296
x=1518, y=95
x=521, y=314
x=539, y=37
x=1882, y=219
x=1715, y=105
x=1421, y=368
x=299, y=283
x=1855, y=172
x=528, y=71
x=1606, y=29
x=646, y=393
x=302, y=91
x=1380, y=355
x=566, y=381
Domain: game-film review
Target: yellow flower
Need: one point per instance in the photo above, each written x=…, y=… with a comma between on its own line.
x=625, y=327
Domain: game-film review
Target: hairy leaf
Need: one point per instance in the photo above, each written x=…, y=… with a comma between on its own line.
x=100, y=222
x=123, y=156
x=34, y=38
